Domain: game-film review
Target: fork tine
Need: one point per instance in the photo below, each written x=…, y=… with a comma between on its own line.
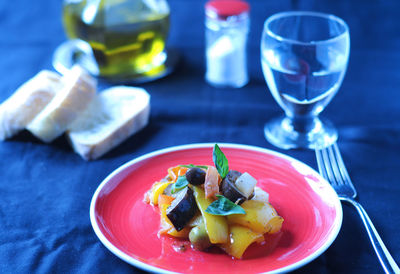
x=324, y=164
x=321, y=168
x=332, y=168
x=339, y=159
x=329, y=163
x=336, y=167
x=343, y=170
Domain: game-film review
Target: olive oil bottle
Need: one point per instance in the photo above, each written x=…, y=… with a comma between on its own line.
x=127, y=36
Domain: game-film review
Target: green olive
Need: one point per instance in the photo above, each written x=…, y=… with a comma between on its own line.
x=199, y=238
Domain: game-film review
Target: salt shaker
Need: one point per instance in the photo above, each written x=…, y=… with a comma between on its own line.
x=227, y=25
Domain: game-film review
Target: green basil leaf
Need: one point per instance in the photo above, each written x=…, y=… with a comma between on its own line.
x=180, y=183
x=191, y=165
x=223, y=206
x=220, y=161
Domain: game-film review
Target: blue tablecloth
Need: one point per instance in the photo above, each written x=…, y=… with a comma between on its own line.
x=45, y=190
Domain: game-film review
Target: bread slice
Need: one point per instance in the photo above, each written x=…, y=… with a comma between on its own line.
x=78, y=90
x=114, y=115
x=26, y=102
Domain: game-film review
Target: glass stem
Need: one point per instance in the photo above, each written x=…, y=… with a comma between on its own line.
x=304, y=124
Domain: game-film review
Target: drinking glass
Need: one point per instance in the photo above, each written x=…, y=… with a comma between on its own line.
x=304, y=57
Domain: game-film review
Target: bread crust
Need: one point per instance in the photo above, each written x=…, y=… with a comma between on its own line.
x=78, y=90
x=129, y=115
x=27, y=101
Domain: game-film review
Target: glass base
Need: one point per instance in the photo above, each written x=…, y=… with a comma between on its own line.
x=281, y=133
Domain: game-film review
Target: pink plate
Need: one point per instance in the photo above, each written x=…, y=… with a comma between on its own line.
x=128, y=227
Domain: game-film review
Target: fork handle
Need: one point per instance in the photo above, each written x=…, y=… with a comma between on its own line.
x=387, y=261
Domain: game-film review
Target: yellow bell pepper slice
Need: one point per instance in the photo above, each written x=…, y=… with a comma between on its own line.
x=260, y=217
x=184, y=233
x=216, y=226
x=157, y=189
x=240, y=239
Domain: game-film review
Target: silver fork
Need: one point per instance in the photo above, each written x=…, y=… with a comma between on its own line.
x=332, y=168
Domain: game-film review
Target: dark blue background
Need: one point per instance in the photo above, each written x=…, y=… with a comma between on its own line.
x=45, y=190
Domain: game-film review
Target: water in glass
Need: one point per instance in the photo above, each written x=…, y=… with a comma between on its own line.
x=304, y=58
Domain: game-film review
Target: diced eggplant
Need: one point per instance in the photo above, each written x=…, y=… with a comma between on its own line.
x=182, y=209
x=260, y=195
x=168, y=190
x=233, y=175
x=195, y=176
x=245, y=183
x=229, y=189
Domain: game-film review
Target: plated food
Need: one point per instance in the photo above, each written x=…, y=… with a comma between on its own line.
x=213, y=206
x=129, y=228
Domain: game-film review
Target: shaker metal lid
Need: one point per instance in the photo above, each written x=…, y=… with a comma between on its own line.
x=226, y=8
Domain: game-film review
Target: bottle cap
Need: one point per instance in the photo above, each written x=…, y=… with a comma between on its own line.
x=222, y=9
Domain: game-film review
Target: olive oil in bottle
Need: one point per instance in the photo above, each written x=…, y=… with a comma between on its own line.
x=127, y=36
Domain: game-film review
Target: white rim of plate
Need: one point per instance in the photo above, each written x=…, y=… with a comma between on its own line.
x=125, y=257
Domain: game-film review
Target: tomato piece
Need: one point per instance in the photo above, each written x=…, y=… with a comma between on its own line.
x=211, y=186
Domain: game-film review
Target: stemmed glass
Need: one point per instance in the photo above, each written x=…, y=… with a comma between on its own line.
x=304, y=58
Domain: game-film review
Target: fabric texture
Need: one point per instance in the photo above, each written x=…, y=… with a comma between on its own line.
x=46, y=189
